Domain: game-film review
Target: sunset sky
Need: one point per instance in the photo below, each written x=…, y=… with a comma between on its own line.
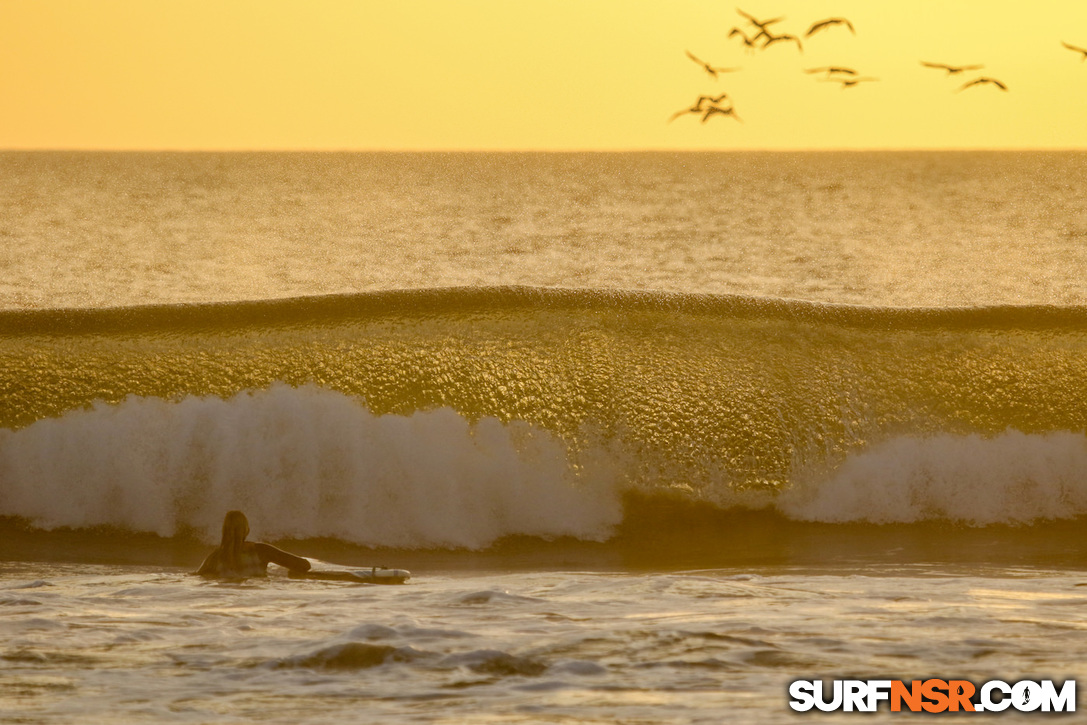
x=531, y=75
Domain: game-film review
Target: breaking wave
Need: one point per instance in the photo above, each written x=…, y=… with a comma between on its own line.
x=453, y=418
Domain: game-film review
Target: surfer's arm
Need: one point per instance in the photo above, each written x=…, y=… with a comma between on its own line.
x=269, y=553
x=210, y=567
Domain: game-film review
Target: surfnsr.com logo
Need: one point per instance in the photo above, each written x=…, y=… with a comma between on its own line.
x=933, y=695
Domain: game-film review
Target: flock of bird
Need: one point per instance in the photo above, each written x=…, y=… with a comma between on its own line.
x=760, y=30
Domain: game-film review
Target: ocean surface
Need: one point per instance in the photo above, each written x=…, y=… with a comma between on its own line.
x=656, y=434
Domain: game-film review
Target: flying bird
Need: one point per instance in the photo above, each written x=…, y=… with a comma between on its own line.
x=699, y=106
x=760, y=24
x=849, y=81
x=730, y=111
x=952, y=69
x=832, y=70
x=823, y=24
x=709, y=68
x=749, y=42
x=1076, y=48
x=771, y=39
x=983, y=80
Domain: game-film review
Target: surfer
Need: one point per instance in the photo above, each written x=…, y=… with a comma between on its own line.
x=236, y=558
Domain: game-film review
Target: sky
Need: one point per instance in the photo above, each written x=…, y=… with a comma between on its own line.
x=532, y=75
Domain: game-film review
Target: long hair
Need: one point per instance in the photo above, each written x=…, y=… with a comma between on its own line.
x=235, y=529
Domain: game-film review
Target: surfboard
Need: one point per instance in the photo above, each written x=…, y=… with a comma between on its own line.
x=324, y=571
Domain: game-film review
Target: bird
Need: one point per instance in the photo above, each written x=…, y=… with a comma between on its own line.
x=771, y=39
x=760, y=24
x=730, y=111
x=698, y=106
x=952, y=69
x=749, y=42
x=983, y=80
x=1076, y=48
x=831, y=70
x=709, y=68
x=850, y=81
x=822, y=24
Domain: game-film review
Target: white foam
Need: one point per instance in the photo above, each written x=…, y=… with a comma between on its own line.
x=1011, y=478
x=301, y=462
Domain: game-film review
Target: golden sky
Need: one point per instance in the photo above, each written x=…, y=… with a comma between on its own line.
x=531, y=74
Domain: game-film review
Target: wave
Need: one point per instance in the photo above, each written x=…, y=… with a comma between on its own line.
x=454, y=418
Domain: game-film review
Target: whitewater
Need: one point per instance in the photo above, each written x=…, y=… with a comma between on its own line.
x=656, y=434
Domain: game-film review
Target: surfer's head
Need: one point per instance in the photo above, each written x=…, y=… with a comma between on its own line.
x=235, y=529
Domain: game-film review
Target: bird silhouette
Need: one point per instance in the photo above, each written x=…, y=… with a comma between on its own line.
x=771, y=39
x=849, y=82
x=982, y=81
x=709, y=68
x=749, y=42
x=1076, y=48
x=952, y=69
x=832, y=70
x=823, y=24
x=698, y=106
x=760, y=24
x=711, y=110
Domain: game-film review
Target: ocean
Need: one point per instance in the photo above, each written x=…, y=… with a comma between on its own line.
x=657, y=434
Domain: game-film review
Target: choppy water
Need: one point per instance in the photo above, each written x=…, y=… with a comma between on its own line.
x=94, y=644
x=656, y=433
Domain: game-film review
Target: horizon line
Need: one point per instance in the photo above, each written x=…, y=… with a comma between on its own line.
x=349, y=150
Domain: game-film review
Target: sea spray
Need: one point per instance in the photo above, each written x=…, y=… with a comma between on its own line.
x=301, y=462
x=308, y=462
x=1010, y=478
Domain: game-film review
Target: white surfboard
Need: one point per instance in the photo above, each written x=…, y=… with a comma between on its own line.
x=324, y=571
